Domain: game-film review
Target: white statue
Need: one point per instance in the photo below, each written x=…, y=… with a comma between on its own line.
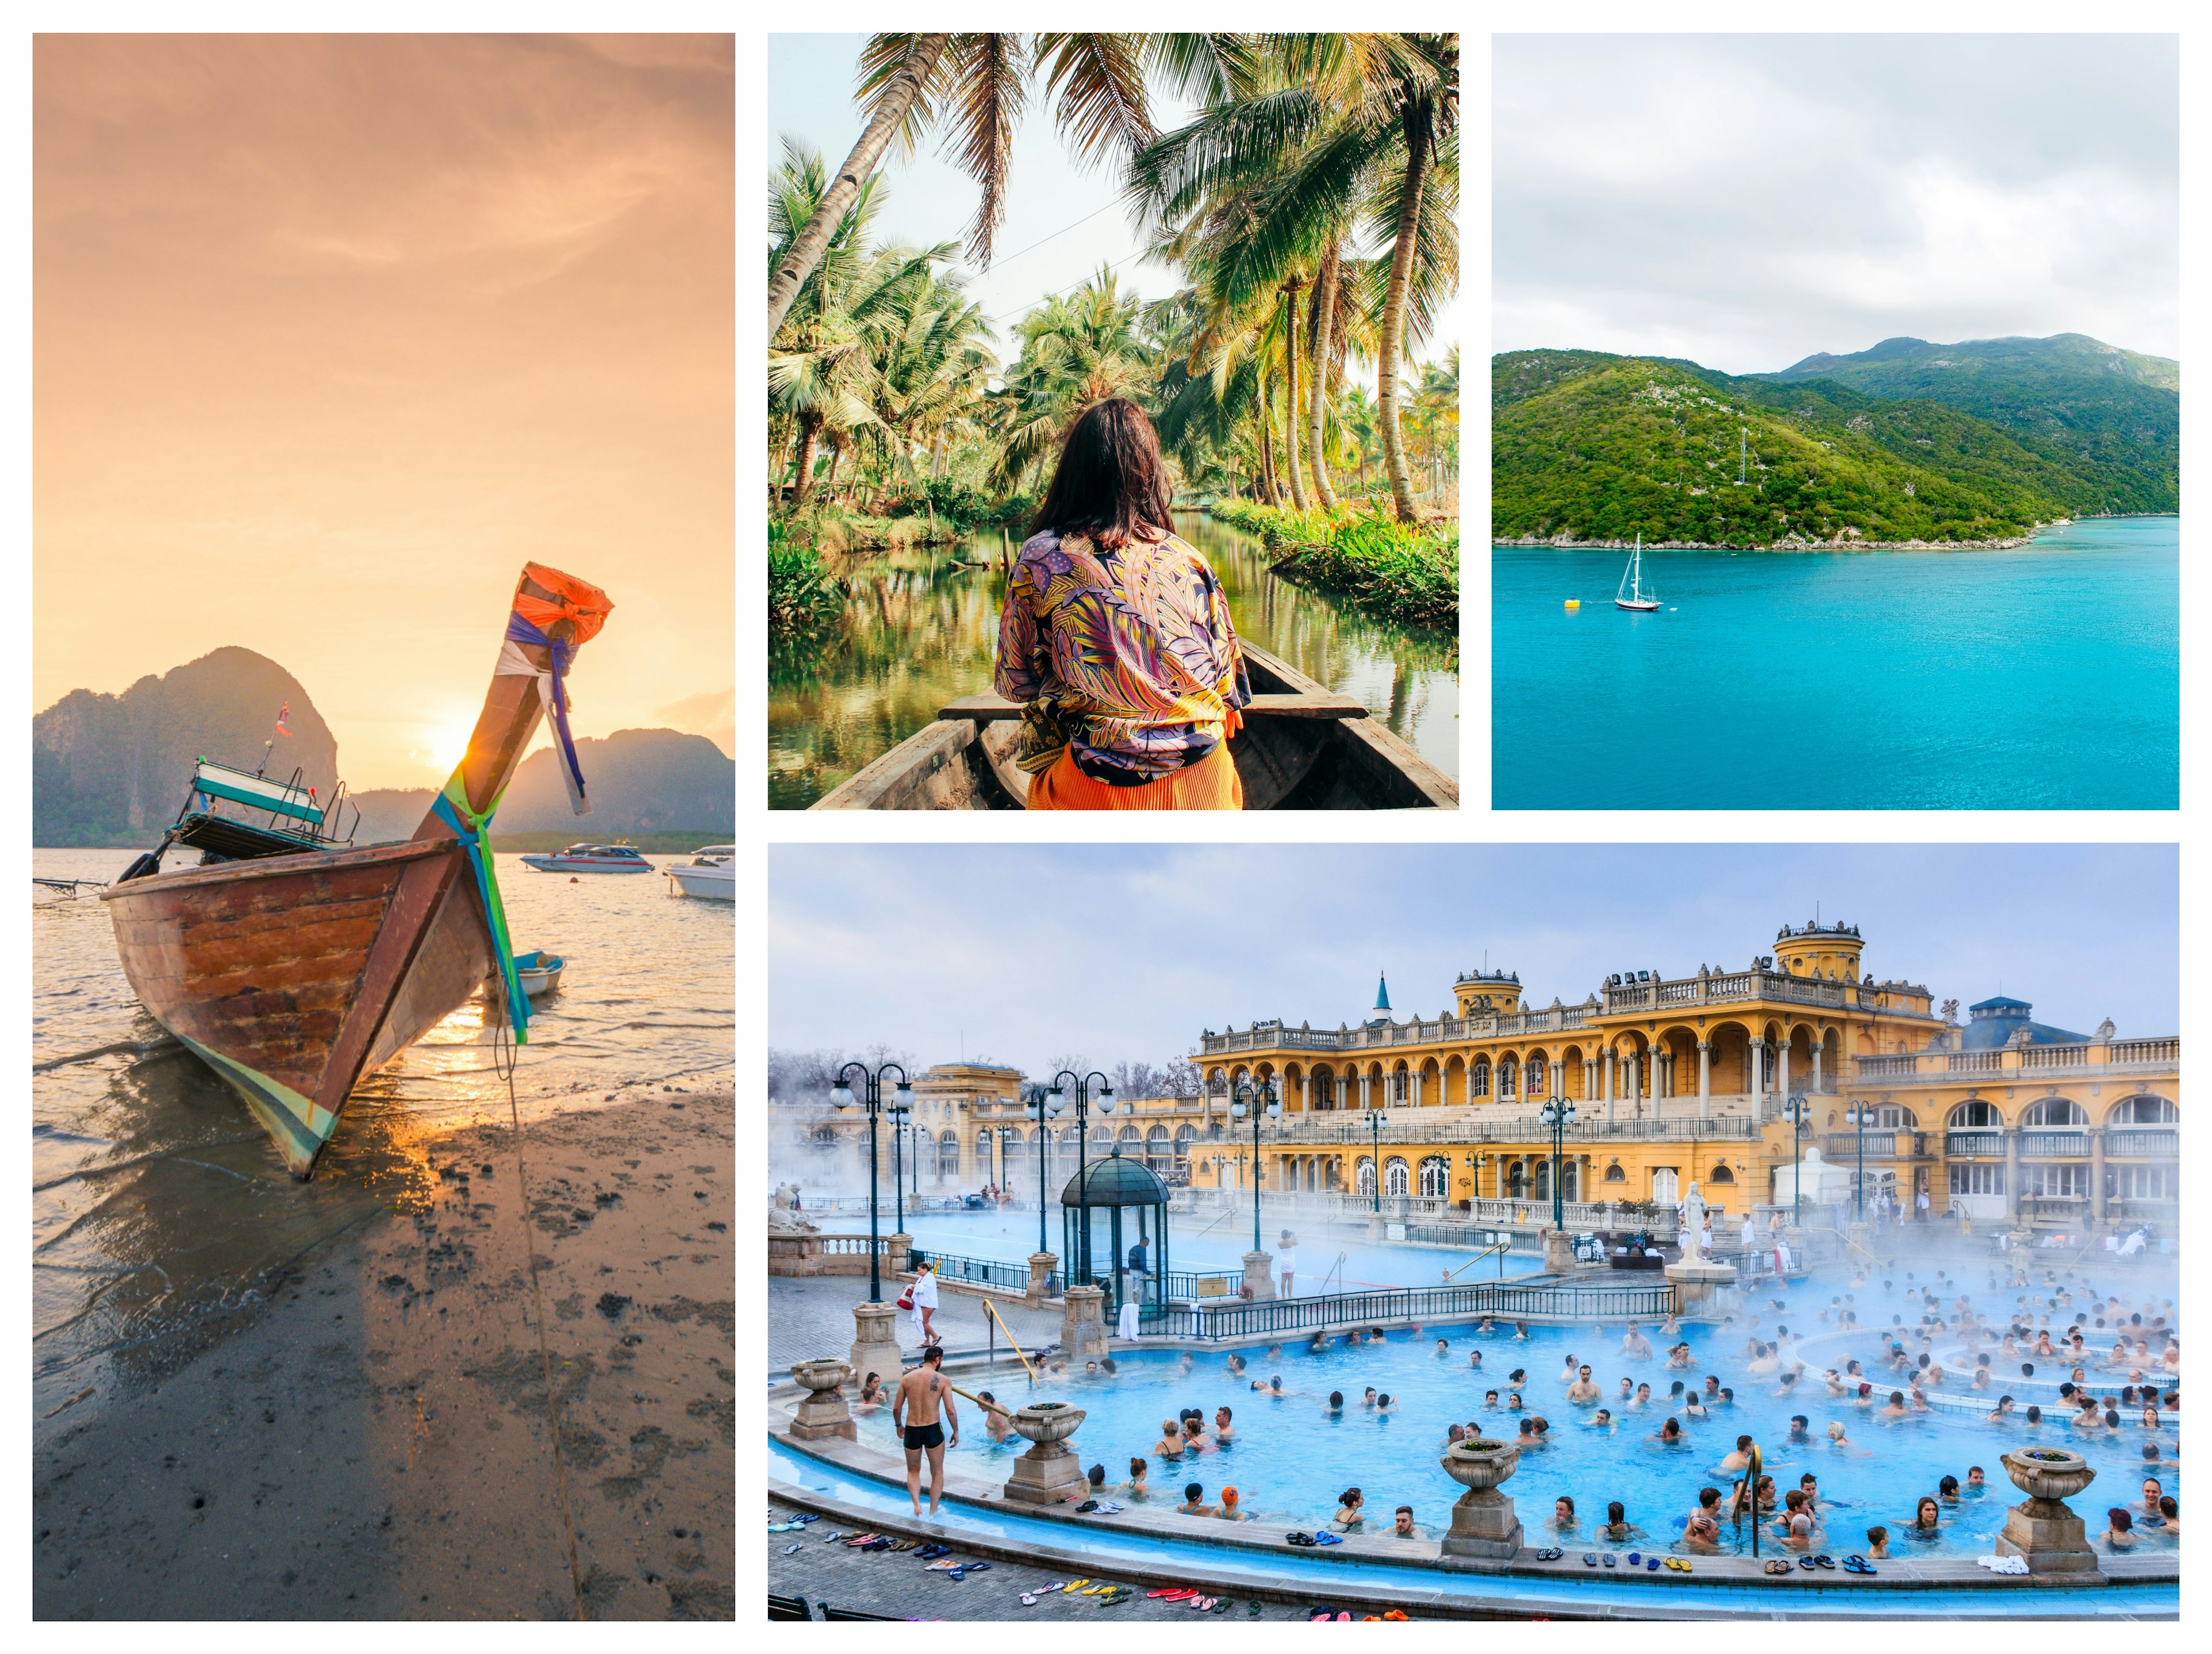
x=1692, y=1222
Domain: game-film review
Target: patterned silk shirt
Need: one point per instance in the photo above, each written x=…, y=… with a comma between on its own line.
x=1132, y=650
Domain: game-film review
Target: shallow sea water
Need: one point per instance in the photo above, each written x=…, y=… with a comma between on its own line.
x=158, y=1201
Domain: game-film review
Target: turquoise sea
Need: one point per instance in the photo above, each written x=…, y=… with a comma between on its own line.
x=2043, y=677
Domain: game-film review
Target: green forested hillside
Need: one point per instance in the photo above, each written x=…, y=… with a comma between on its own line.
x=1604, y=447
x=2109, y=416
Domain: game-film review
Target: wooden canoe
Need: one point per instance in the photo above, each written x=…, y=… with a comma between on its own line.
x=292, y=975
x=1303, y=748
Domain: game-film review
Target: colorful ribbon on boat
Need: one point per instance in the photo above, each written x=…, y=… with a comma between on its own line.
x=585, y=608
x=452, y=807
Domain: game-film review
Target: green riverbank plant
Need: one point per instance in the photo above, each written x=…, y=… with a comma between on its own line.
x=1403, y=572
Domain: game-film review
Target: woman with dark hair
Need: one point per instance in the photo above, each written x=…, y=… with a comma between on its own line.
x=1116, y=637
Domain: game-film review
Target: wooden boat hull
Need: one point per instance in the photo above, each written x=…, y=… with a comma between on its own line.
x=292, y=976
x=1304, y=755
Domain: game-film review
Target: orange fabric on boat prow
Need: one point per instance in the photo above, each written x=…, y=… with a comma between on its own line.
x=1211, y=783
x=577, y=601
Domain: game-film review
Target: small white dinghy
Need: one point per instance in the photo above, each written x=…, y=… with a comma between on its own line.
x=538, y=972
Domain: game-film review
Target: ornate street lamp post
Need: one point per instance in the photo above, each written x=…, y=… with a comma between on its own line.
x=1799, y=1112
x=1858, y=1117
x=1056, y=1102
x=1246, y=1101
x=1557, y=1115
x=900, y=1111
x=871, y=1097
x=1374, y=1111
x=1041, y=1109
x=1005, y=1134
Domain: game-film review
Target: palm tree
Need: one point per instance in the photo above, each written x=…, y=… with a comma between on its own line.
x=822, y=362
x=979, y=83
x=1077, y=349
x=1337, y=130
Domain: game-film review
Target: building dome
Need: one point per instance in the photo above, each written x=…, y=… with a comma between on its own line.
x=1116, y=1181
x=1994, y=1022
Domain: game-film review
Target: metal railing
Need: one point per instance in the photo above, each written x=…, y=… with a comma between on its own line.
x=983, y=1272
x=1409, y=1129
x=1574, y=1301
x=1974, y=1144
x=2054, y=1145
x=1192, y=1284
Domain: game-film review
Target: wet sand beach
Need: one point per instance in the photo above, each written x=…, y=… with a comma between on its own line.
x=367, y=1437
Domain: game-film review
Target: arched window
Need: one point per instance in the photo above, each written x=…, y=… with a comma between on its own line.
x=948, y=1156
x=2144, y=1111
x=1722, y=1174
x=1157, y=1152
x=1395, y=1180
x=1613, y=1174
x=1366, y=1175
x=1543, y=1180
x=1186, y=1133
x=982, y=1151
x=1213, y=1130
x=1509, y=1078
x=1538, y=1071
x=1516, y=1180
x=1436, y=1176
x=1129, y=1134
x=1976, y=1114
x=1479, y=1078
x=2056, y=1111
x=1663, y=1185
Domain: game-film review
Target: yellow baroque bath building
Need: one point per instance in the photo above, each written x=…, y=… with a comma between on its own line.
x=1689, y=1077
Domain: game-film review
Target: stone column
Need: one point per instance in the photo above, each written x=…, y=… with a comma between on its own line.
x=1305, y=1091
x=1755, y=1066
x=1083, y=1327
x=896, y=1251
x=1559, y=1080
x=1612, y=1062
x=1260, y=1275
x=875, y=1349
x=2012, y=1176
x=1343, y=1091
x=1416, y=1088
x=2097, y=1176
x=1042, y=1265
x=1704, y=1079
x=1816, y=1069
x=1782, y=1069
x=1366, y=1086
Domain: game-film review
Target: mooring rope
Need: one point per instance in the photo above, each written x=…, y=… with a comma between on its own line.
x=499, y=1044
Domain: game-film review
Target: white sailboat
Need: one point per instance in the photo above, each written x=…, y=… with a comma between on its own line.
x=1636, y=596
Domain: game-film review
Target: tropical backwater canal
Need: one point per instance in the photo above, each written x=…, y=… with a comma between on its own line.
x=2044, y=677
x=921, y=628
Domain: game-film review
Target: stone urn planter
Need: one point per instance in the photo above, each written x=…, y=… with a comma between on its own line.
x=1048, y=1472
x=1483, y=1523
x=822, y=1412
x=2040, y=1527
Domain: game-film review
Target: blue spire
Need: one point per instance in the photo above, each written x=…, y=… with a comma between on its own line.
x=1382, y=993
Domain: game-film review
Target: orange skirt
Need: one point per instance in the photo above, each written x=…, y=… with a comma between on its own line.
x=1211, y=783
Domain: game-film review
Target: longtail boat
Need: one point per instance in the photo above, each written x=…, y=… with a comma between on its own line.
x=1303, y=748
x=292, y=963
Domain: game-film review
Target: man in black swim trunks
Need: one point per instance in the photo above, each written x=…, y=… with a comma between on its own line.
x=920, y=1392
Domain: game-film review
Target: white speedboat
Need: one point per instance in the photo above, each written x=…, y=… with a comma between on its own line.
x=591, y=859
x=711, y=872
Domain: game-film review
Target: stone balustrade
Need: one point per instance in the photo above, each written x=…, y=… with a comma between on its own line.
x=2090, y=1061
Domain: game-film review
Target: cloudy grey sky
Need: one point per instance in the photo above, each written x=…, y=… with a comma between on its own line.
x=1748, y=200
x=1127, y=954
x=1062, y=221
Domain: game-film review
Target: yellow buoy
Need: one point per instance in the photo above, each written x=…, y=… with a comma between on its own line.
x=1574, y=603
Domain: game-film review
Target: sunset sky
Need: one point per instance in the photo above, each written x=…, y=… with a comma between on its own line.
x=333, y=333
